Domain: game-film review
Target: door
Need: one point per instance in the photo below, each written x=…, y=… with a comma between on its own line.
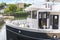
x=55, y=21
x=42, y=20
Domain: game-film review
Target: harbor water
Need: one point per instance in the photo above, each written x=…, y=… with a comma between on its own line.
x=3, y=33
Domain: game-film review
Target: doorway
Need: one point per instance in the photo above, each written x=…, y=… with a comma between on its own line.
x=55, y=21
x=42, y=21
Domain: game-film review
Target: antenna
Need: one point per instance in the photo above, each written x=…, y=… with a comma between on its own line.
x=47, y=4
x=52, y=4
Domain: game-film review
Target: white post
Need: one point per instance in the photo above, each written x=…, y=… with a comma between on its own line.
x=37, y=15
x=48, y=22
x=37, y=18
x=31, y=14
x=59, y=21
x=31, y=24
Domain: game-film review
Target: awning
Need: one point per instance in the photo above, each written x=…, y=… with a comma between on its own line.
x=35, y=7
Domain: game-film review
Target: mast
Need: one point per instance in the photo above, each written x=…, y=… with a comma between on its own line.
x=48, y=5
x=52, y=4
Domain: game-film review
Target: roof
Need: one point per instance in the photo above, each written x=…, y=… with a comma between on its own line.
x=35, y=7
x=55, y=8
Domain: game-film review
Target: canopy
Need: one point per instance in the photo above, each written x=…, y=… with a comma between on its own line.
x=35, y=7
x=55, y=8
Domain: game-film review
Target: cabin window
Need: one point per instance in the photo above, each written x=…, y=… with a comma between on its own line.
x=44, y=15
x=29, y=14
x=39, y=15
x=48, y=14
x=34, y=14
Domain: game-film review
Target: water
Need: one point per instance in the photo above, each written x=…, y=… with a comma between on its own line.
x=3, y=33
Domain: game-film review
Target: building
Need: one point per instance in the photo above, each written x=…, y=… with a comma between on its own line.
x=20, y=5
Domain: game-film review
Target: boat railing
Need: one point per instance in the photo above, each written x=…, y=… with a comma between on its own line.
x=20, y=23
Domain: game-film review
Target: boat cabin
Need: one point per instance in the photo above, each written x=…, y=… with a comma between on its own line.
x=43, y=18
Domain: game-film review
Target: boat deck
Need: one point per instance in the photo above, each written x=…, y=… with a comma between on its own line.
x=36, y=30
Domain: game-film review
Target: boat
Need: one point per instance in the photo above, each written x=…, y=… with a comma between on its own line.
x=43, y=23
